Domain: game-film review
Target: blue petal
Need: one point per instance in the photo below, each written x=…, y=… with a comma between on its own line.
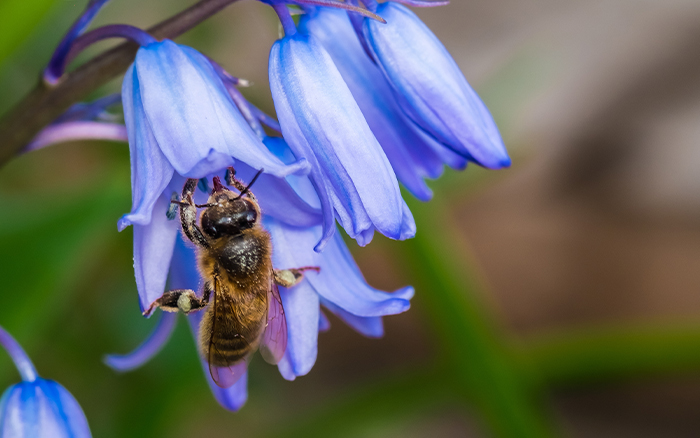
x=341, y=283
x=193, y=119
x=300, y=183
x=302, y=311
x=153, y=249
x=292, y=247
x=324, y=323
x=148, y=349
x=322, y=123
x=150, y=170
x=409, y=150
x=42, y=409
x=277, y=198
x=430, y=87
x=183, y=269
x=372, y=327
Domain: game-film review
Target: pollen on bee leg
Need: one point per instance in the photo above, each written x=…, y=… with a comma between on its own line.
x=285, y=278
x=184, y=302
x=292, y=277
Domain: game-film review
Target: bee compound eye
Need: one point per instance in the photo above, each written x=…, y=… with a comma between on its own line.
x=209, y=226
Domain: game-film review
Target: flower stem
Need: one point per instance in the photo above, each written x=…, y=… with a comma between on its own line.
x=139, y=36
x=44, y=104
x=19, y=357
x=286, y=19
x=56, y=65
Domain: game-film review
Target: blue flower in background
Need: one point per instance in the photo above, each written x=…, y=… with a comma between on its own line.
x=413, y=154
x=321, y=122
x=181, y=123
x=430, y=87
x=36, y=407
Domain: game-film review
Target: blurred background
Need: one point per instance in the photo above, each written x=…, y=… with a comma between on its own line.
x=560, y=297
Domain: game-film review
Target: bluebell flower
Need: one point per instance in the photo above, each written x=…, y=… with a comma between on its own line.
x=181, y=123
x=339, y=287
x=321, y=122
x=430, y=87
x=36, y=407
x=413, y=154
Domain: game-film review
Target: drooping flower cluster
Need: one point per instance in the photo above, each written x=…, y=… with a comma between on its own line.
x=364, y=103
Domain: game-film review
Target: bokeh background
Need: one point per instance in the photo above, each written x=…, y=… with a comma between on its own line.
x=560, y=297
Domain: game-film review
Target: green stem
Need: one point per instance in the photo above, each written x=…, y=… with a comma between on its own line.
x=602, y=355
x=481, y=365
x=45, y=103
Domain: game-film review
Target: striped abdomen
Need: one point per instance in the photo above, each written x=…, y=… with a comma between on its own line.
x=232, y=326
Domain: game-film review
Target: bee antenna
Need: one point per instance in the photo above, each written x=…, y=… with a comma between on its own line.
x=247, y=189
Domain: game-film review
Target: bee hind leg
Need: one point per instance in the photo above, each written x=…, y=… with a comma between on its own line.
x=179, y=300
x=292, y=277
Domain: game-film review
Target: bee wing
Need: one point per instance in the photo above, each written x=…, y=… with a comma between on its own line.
x=274, y=341
x=225, y=376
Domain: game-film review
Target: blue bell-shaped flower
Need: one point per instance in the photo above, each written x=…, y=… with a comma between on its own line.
x=321, y=122
x=36, y=407
x=181, y=123
x=430, y=87
x=413, y=154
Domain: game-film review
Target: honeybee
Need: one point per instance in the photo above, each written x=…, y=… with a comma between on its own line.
x=243, y=307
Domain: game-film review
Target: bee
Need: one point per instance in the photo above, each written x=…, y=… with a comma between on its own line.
x=243, y=308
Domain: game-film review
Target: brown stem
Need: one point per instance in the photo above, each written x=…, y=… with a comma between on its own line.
x=44, y=104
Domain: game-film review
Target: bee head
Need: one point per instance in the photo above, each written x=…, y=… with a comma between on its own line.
x=228, y=214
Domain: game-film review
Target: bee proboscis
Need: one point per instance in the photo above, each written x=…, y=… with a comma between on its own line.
x=244, y=310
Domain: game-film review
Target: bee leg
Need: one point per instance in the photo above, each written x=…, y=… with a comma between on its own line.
x=235, y=182
x=292, y=277
x=188, y=215
x=179, y=300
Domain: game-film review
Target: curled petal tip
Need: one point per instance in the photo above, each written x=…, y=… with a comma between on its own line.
x=327, y=236
x=149, y=348
x=123, y=223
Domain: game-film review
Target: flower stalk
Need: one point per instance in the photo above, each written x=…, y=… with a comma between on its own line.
x=19, y=357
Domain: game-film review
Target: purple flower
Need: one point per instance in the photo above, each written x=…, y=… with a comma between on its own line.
x=181, y=122
x=36, y=407
x=413, y=154
x=321, y=122
x=430, y=87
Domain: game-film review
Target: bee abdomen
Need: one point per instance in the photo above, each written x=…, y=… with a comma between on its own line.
x=226, y=351
x=230, y=341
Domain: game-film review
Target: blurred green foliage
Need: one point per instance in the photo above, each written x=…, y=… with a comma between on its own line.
x=17, y=21
x=69, y=297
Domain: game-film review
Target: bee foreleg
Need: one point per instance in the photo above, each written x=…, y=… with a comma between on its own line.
x=292, y=277
x=179, y=300
x=188, y=214
x=235, y=182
